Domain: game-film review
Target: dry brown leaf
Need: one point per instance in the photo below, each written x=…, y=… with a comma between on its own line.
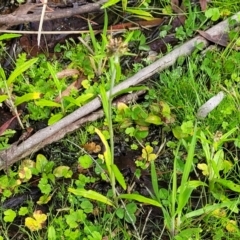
x=92, y=147
x=75, y=85
x=203, y=4
x=179, y=9
x=175, y=6
x=67, y=73
x=221, y=40
x=6, y=125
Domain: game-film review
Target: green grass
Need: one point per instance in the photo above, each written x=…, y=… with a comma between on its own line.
x=191, y=188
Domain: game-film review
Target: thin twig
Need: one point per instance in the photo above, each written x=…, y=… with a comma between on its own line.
x=145, y=223
x=41, y=21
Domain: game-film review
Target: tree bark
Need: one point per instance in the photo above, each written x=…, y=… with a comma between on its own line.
x=22, y=14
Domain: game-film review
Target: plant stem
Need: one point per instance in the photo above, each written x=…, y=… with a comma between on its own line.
x=12, y=106
x=113, y=61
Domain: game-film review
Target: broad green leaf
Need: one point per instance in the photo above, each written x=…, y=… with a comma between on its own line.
x=92, y=195
x=185, y=193
x=27, y=97
x=71, y=100
x=205, y=145
x=51, y=233
x=62, y=171
x=105, y=101
x=141, y=199
x=9, y=36
x=154, y=119
x=44, y=199
x=211, y=208
x=119, y=176
x=41, y=162
x=19, y=70
x=47, y=103
x=95, y=43
x=124, y=4
x=189, y=160
x=154, y=179
x=139, y=12
x=84, y=97
x=186, y=187
x=85, y=161
x=228, y=184
x=3, y=98
x=2, y=74
x=110, y=3
x=78, y=101
x=55, y=118
x=178, y=133
x=120, y=213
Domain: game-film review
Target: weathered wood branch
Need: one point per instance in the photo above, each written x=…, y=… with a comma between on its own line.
x=21, y=16
x=35, y=142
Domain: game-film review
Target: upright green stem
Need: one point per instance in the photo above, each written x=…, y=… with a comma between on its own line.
x=114, y=61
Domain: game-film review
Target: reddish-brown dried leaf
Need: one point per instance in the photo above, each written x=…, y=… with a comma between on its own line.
x=67, y=73
x=175, y=6
x=75, y=85
x=160, y=45
x=221, y=40
x=203, y=4
x=6, y=125
x=179, y=9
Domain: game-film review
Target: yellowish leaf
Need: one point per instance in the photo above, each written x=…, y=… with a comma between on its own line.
x=37, y=222
x=147, y=153
x=204, y=168
x=232, y=226
x=121, y=106
x=219, y=213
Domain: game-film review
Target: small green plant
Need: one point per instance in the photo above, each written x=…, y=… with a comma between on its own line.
x=217, y=163
x=7, y=87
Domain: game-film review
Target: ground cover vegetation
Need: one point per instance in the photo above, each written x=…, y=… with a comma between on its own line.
x=164, y=166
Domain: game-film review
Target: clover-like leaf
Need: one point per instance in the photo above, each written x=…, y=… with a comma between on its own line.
x=9, y=215
x=204, y=168
x=36, y=222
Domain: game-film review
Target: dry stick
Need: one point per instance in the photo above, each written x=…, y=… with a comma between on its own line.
x=75, y=125
x=16, y=18
x=15, y=153
x=41, y=21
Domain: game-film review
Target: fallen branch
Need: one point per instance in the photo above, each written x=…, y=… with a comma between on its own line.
x=32, y=144
x=21, y=16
